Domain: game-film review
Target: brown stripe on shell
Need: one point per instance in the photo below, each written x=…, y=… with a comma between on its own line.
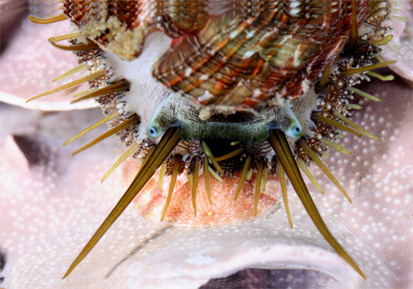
x=272, y=52
x=121, y=26
x=253, y=50
x=181, y=17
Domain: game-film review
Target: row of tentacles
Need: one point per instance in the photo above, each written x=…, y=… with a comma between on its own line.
x=335, y=90
x=331, y=116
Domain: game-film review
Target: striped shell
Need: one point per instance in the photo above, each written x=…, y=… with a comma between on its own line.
x=239, y=53
x=260, y=86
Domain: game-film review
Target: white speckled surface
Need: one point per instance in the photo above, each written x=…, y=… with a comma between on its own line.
x=49, y=211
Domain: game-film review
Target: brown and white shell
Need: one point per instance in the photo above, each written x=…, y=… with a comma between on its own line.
x=242, y=53
x=237, y=61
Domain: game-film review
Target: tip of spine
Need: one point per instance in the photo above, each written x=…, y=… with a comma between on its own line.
x=66, y=274
x=33, y=98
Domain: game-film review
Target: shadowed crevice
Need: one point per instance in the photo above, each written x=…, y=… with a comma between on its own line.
x=264, y=278
x=36, y=153
x=3, y=260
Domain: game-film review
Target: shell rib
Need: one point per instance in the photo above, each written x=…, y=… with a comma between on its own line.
x=240, y=53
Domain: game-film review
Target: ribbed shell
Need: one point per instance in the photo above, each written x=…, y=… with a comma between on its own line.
x=243, y=53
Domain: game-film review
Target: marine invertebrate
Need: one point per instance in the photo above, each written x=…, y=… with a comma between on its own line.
x=53, y=213
x=242, y=139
